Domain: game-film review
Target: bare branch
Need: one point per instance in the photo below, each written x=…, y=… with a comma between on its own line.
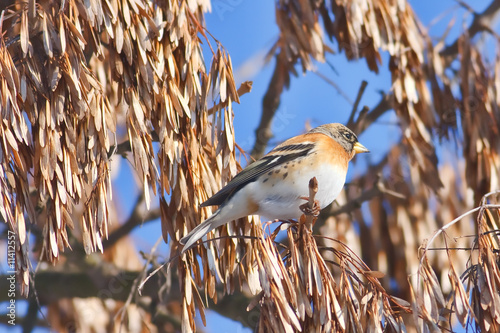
x=87, y=282
x=270, y=104
x=370, y=117
x=377, y=189
x=101, y=281
x=354, y=110
x=137, y=217
x=482, y=22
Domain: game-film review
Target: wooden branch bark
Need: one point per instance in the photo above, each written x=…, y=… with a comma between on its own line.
x=355, y=106
x=481, y=22
x=370, y=117
x=137, y=217
x=270, y=104
x=106, y=281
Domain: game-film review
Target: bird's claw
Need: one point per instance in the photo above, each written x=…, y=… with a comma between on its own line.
x=314, y=211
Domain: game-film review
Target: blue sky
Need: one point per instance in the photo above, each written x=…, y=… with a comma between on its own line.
x=247, y=30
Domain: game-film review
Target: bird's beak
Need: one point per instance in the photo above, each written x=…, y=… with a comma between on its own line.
x=359, y=148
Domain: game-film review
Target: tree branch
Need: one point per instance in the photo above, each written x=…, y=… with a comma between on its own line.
x=482, y=22
x=270, y=104
x=137, y=217
x=368, y=118
x=354, y=110
x=106, y=281
x=355, y=203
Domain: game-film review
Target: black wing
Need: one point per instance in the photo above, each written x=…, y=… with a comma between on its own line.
x=258, y=168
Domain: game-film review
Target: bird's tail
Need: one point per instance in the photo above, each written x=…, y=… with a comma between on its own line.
x=201, y=230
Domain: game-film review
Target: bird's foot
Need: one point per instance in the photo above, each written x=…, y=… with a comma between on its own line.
x=307, y=210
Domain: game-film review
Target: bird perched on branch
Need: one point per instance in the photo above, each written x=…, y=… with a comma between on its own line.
x=276, y=185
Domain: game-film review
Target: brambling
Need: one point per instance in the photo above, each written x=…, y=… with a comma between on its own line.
x=275, y=185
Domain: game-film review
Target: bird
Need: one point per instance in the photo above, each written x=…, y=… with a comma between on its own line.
x=275, y=185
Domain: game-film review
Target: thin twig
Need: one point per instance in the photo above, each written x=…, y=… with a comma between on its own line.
x=446, y=226
x=334, y=85
x=143, y=282
x=480, y=208
x=354, y=110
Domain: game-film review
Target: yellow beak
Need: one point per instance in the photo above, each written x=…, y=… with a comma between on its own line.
x=359, y=148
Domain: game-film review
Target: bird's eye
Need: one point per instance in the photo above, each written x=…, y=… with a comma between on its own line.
x=348, y=136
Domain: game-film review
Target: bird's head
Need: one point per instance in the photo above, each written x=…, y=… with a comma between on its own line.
x=344, y=136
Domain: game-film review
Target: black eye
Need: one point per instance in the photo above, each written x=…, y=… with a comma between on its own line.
x=348, y=136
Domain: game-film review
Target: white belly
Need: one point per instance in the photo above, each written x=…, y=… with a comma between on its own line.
x=283, y=196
